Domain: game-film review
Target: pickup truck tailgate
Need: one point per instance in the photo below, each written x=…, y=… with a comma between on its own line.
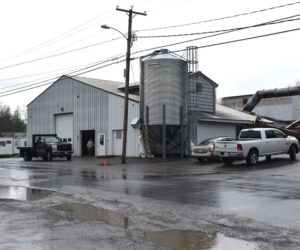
x=226, y=146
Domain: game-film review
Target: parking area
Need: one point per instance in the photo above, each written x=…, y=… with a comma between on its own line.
x=84, y=204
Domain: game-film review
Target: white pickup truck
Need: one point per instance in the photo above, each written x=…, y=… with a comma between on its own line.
x=256, y=142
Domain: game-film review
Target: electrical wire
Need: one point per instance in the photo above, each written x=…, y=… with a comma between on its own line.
x=221, y=32
x=69, y=73
x=59, y=37
x=199, y=38
x=47, y=83
x=89, y=69
x=241, y=40
x=221, y=18
x=224, y=30
x=59, y=54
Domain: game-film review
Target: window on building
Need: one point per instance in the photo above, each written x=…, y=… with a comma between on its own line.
x=2, y=143
x=119, y=134
x=198, y=87
x=8, y=142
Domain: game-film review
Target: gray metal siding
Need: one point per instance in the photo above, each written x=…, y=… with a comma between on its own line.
x=115, y=122
x=92, y=109
x=203, y=101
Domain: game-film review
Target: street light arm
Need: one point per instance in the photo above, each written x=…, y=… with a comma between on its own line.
x=104, y=26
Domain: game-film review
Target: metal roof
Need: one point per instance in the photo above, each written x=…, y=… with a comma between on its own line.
x=229, y=115
x=109, y=86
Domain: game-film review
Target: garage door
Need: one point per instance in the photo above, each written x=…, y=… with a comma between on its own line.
x=64, y=127
x=211, y=130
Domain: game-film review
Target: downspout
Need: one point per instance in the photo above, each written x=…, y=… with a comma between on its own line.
x=264, y=94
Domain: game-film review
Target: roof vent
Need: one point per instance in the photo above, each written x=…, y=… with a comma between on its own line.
x=164, y=51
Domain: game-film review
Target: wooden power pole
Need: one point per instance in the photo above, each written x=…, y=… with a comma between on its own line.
x=130, y=12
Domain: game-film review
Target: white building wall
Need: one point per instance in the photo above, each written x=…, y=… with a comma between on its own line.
x=207, y=130
x=115, y=122
x=277, y=111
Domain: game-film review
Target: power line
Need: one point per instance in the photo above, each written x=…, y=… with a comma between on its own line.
x=58, y=54
x=200, y=38
x=242, y=39
x=220, y=18
x=72, y=72
x=224, y=30
x=59, y=37
x=116, y=58
x=47, y=83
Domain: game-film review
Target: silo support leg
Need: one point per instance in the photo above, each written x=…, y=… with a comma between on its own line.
x=181, y=133
x=164, y=151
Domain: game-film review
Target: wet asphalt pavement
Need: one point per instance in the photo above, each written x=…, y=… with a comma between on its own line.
x=149, y=204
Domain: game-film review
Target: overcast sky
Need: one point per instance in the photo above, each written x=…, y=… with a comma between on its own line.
x=34, y=33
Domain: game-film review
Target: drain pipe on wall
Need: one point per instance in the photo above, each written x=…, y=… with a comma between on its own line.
x=263, y=94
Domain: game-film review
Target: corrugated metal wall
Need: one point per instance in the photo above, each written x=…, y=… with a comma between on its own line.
x=92, y=108
x=203, y=100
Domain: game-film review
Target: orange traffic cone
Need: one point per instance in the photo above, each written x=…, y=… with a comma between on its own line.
x=106, y=162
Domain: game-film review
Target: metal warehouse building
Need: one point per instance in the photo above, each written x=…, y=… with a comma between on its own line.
x=78, y=108
x=173, y=106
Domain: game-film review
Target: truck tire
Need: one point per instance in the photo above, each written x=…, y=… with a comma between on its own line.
x=227, y=161
x=69, y=157
x=252, y=157
x=293, y=152
x=49, y=156
x=27, y=156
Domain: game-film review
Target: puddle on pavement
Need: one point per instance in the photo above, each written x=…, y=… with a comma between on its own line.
x=84, y=212
x=195, y=240
x=22, y=193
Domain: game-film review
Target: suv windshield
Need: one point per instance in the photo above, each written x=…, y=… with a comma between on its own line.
x=52, y=140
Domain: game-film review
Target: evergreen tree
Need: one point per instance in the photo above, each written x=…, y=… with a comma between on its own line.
x=11, y=122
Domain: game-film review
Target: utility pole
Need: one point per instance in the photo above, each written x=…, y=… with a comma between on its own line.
x=129, y=36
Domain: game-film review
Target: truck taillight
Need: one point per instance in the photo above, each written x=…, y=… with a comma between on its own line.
x=212, y=148
x=239, y=147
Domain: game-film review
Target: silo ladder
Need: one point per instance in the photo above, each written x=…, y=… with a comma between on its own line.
x=147, y=140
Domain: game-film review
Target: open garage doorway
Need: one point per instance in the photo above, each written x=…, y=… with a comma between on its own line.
x=85, y=136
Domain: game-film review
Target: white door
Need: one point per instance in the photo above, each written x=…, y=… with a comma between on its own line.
x=117, y=142
x=64, y=127
x=100, y=145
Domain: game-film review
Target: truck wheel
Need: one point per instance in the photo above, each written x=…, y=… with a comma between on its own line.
x=69, y=157
x=252, y=157
x=227, y=161
x=293, y=152
x=27, y=156
x=49, y=156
